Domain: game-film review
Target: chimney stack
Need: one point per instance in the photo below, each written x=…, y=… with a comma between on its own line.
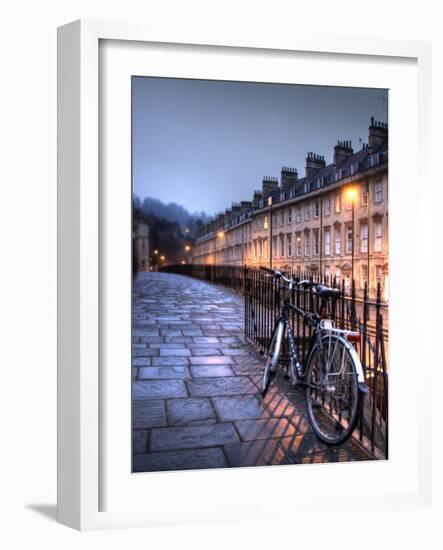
x=342, y=150
x=245, y=206
x=288, y=177
x=268, y=185
x=314, y=163
x=378, y=134
x=256, y=198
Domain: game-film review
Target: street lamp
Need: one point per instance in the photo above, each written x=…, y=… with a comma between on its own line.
x=270, y=231
x=155, y=252
x=351, y=193
x=187, y=248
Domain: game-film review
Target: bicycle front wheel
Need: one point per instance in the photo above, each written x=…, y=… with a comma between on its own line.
x=332, y=393
x=272, y=356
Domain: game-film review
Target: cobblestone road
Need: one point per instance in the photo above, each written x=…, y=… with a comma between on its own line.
x=196, y=399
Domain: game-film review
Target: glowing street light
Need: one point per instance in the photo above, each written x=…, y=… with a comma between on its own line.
x=162, y=258
x=183, y=262
x=187, y=248
x=156, y=252
x=220, y=234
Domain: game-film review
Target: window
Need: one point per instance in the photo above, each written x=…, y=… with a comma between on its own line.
x=260, y=223
x=364, y=275
x=265, y=249
x=298, y=214
x=378, y=191
x=327, y=242
x=255, y=249
x=349, y=240
x=274, y=221
x=282, y=218
x=328, y=275
x=338, y=204
x=260, y=248
x=364, y=237
x=364, y=195
x=289, y=216
x=338, y=241
x=265, y=223
x=378, y=275
x=274, y=247
x=298, y=245
x=338, y=275
x=316, y=242
x=348, y=203
x=282, y=246
x=307, y=213
x=328, y=206
x=289, y=245
x=378, y=234
x=316, y=209
x=307, y=244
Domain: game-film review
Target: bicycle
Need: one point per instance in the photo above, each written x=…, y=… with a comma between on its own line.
x=332, y=374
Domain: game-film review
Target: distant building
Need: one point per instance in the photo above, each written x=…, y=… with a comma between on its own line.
x=140, y=245
x=305, y=224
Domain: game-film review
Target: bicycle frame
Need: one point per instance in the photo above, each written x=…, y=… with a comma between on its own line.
x=298, y=372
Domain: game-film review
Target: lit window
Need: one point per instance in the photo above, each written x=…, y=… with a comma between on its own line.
x=378, y=235
x=378, y=191
x=298, y=245
x=327, y=242
x=338, y=204
x=364, y=237
x=265, y=223
x=364, y=195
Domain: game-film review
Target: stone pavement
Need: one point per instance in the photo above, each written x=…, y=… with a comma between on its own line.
x=196, y=398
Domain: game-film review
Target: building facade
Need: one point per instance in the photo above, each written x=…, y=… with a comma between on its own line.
x=332, y=221
x=140, y=245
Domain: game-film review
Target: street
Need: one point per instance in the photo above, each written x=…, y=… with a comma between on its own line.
x=196, y=399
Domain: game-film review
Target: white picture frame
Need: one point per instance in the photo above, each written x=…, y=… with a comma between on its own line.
x=81, y=445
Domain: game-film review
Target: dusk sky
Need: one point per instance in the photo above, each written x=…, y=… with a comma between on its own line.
x=206, y=144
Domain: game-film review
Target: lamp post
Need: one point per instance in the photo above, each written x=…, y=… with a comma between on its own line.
x=351, y=194
x=270, y=231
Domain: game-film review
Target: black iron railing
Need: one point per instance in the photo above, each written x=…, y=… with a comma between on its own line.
x=263, y=296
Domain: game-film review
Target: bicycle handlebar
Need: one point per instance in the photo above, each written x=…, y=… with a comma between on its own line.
x=305, y=283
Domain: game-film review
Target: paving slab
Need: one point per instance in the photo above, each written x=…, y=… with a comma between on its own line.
x=182, y=412
x=192, y=437
x=193, y=459
x=158, y=388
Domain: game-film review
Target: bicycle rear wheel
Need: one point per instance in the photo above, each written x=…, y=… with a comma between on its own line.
x=272, y=356
x=332, y=393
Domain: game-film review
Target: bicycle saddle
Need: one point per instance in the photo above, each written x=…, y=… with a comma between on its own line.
x=328, y=292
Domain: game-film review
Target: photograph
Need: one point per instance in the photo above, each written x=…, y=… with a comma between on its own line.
x=260, y=274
